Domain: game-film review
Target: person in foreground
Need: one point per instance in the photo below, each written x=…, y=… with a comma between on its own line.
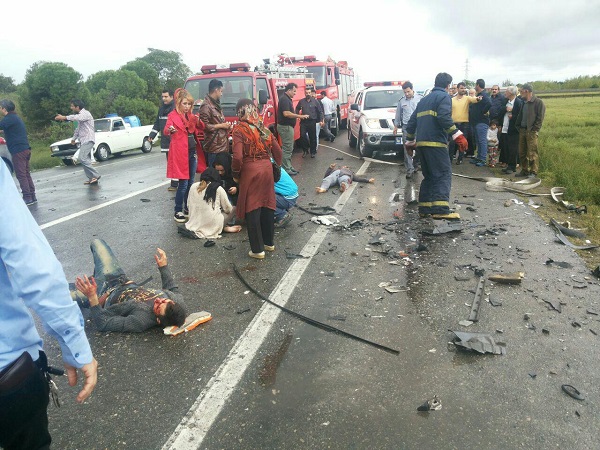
x=342, y=176
x=431, y=122
x=253, y=146
x=118, y=304
x=210, y=209
x=32, y=278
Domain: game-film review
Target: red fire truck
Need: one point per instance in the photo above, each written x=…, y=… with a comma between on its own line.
x=264, y=84
x=336, y=78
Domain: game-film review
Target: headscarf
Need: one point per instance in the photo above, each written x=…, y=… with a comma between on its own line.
x=213, y=181
x=252, y=127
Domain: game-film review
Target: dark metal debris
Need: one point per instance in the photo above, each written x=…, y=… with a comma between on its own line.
x=242, y=311
x=145, y=200
x=553, y=305
x=479, y=342
x=290, y=255
x=561, y=264
x=444, y=226
x=494, y=302
x=474, y=315
x=572, y=392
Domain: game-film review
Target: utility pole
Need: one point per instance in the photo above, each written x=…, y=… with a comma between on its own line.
x=467, y=69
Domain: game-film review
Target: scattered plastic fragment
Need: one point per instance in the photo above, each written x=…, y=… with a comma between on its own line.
x=443, y=227
x=507, y=278
x=591, y=311
x=593, y=332
x=494, y=302
x=567, y=230
x=479, y=342
x=561, y=264
x=242, y=311
x=553, y=305
x=576, y=324
x=532, y=374
x=462, y=277
x=533, y=204
x=145, y=200
x=229, y=247
x=325, y=220
x=545, y=331
x=572, y=392
x=465, y=323
x=339, y=317
x=431, y=405
x=394, y=289
x=530, y=326
x=290, y=255
x=562, y=238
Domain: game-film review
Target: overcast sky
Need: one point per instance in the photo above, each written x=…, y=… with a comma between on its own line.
x=520, y=40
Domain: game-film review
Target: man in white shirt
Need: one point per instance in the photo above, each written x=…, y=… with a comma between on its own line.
x=328, y=111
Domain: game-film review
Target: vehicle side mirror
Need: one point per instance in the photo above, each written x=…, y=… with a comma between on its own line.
x=354, y=107
x=262, y=97
x=337, y=81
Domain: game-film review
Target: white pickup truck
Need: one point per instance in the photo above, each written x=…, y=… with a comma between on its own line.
x=114, y=135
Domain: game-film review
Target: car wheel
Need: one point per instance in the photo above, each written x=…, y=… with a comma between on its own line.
x=146, y=146
x=68, y=162
x=363, y=150
x=351, y=139
x=102, y=152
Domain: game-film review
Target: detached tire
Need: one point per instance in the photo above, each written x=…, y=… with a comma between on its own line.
x=146, y=146
x=102, y=152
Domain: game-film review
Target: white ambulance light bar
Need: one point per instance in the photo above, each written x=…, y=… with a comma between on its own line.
x=383, y=83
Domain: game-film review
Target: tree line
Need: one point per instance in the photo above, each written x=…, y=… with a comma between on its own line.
x=132, y=90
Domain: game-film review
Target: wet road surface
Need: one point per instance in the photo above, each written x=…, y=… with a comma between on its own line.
x=255, y=377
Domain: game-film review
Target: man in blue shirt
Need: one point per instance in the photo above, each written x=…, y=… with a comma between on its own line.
x=19, y=148
x=286, y=194
x=406, y=106
x=32, y=277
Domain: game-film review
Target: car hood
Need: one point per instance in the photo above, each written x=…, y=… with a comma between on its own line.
x=380, y=113
x=63, y=142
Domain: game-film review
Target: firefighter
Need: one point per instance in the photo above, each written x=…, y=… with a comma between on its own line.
x=431, y=122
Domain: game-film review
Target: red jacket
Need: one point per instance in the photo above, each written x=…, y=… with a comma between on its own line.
x=177, y=162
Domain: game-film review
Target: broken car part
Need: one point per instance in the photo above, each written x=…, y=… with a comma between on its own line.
x=310, y=321
x=474, y=315
x=431, y=405
x=572, y=392
x=479, y=342
x=507, y=278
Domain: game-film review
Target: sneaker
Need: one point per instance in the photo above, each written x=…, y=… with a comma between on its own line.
x=260, y=255
x=521, y=174
x=508, y=170
x=30, y=202
x=179, y=217
x=186, y=213
x=480, y=164
x=172, y=188
x=409, y=175
x=459, y=161
x=270, y=248
x=287, y=218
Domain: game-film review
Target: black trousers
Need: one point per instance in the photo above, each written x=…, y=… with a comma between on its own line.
x=261, y=228
x=24, y=416
x=308, y=127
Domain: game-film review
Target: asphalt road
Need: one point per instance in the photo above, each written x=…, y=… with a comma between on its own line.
x=257, y=377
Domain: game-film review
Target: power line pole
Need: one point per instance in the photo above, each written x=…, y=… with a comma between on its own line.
x=467, y=69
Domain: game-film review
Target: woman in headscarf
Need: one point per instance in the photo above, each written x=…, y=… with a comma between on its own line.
x=209, y=208
x=253, y=146
x=185, y=152
x=223, y=165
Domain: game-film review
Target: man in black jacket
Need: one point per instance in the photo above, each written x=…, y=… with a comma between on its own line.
x=510, y=132
x=159, y=125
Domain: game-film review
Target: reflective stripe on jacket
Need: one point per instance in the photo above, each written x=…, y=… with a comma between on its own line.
x=432, y=121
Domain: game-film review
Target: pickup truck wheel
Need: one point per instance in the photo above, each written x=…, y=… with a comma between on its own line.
x=102, y=152
x=351, y=139
x=336, y=130
x=68, y=162
x=363, y=150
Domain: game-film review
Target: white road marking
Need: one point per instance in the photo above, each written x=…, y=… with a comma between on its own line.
x=102, y=205
x=194, y=427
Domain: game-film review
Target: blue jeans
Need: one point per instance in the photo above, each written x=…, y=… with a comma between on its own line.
x=107, y=271
x=183, y=189
x=283, y=205
x=335, y=178
x=481, y=133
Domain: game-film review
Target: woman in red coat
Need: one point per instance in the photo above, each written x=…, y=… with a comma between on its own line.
x=253, y=146
x=183, y=159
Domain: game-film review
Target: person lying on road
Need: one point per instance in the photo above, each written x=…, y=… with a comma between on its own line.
x=343, y=176
x=118, y=304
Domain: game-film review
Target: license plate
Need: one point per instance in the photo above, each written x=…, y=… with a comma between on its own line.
x=398, y=140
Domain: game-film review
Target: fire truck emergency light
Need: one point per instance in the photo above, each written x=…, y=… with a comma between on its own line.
x=209, y=69
x=242, y=67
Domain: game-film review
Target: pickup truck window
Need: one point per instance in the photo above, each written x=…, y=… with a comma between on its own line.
x=101, y=125
x=118, y=125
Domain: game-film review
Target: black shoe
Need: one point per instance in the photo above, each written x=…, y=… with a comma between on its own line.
x=459, y=161
x=508, y=170
x=312, y=155
x=521, y=174
x=304, y=153
x=332, y=139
